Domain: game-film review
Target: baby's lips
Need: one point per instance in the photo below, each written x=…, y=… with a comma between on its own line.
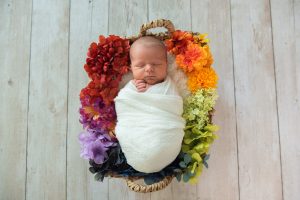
x=149, y=77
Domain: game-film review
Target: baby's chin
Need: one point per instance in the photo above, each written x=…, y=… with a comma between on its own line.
x=153, y=80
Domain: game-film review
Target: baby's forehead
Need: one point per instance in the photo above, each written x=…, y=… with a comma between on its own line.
x=145, y=43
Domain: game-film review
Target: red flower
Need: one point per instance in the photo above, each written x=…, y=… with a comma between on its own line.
x=110, y=56
x=106, y=63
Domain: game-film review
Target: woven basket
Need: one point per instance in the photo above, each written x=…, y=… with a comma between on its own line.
x=161, y=36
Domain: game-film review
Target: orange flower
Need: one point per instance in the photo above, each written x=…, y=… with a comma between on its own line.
x=195, y=57
x=209, y=57
x=204, y=78
x=178, y=42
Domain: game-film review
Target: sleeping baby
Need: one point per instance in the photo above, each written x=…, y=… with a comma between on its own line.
x=149, y=108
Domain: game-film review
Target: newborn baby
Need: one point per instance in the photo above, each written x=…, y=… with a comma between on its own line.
x=148, y=62
x=149, y=123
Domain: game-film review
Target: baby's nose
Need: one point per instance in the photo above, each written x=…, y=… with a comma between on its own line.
x=149, y=68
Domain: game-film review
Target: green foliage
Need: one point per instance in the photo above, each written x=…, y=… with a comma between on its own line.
x=197, y=106
x=199, y=133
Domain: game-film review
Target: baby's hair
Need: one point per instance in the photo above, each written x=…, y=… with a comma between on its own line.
x=148, y=41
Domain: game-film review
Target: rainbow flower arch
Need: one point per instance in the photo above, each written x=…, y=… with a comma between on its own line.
x=190, y=67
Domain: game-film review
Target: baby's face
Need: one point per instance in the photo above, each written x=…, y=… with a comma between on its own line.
x=149, y=64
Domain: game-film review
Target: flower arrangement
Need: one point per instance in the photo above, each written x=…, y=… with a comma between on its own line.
x=193, y=56
x=106, y=63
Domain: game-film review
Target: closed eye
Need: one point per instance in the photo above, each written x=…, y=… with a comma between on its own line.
x=139, y=66
x=155, y=64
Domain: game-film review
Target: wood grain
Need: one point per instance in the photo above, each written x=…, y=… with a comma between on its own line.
x=47, y=119
x=257, y=128
x=88, y=20
x=15, y=28
x=255, y=44
x=222, y=178
x=286, y=24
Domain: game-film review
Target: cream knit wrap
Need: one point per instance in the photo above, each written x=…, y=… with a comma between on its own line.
x=149, y=125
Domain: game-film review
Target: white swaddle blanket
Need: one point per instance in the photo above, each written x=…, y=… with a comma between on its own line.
x=149, y=125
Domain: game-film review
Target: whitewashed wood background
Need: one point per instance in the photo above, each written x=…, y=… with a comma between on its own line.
x=256, y=46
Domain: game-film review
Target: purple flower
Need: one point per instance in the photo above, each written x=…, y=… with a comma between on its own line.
x=97, y=116
x=94, y=145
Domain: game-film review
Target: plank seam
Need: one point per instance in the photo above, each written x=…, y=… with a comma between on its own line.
x=28, y=89
x=108, y=9
x=68, y=92
x=275, y=78
x=236, y=130
x=191, y=24
x=148, y=10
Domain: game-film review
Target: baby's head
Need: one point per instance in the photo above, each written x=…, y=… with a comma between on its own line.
x=148, y=57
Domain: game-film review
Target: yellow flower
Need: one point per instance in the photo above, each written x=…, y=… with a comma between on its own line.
x=200, y=38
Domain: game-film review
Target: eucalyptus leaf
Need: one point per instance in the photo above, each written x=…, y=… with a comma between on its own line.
x=206, y=157
x=177, y=170
x=187, y=158
x=205, y=164
x=92, y=170
x=153, y=178
x=99, y=177
x=186, y=177
x=182, y=164
x=178, y=177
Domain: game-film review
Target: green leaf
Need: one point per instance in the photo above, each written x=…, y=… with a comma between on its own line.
x=185, y=148
x=196, y=157
x=196, y=130
x=193, y=168
x=211, y=128
x=199, y=147
x=187, y=140
x=188, y=127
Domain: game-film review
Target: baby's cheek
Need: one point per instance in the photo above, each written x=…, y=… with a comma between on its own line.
x=138, y=73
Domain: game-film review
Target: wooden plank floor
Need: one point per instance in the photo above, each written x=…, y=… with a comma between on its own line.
x=256, y=48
